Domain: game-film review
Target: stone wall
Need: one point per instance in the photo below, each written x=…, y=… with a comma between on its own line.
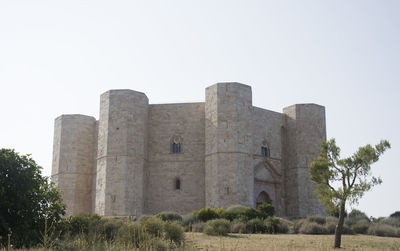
x=229, y=177
x=268, y=170
x=122, y=153
x=166, y=122
x=304, y=130
x=73, y=161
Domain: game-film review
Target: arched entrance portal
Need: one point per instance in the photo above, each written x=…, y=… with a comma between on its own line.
x=267, y=185
x=263, y=197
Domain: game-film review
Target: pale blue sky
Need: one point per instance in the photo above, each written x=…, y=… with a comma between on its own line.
x=57, y=57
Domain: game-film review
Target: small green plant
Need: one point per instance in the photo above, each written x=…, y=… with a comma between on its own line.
x=238, y=227
x=198, y=227
x=206, y=214
x=174, y=232
x=255, y=226
x=266, y=210
x=153, y=226
x=312, y=228
x=169, y=216
x=380, y=229
x=317, y=219
x=217, y=227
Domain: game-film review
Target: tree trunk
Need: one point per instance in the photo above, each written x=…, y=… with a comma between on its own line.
x=339, y=226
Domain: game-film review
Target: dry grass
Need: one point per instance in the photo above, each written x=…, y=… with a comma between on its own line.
x=290, y=242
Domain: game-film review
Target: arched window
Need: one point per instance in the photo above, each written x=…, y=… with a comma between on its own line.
x=176, y=144
x=265, y=151
x=177, y=184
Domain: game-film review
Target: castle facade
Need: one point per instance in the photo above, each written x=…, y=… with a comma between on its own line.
x=142, y=158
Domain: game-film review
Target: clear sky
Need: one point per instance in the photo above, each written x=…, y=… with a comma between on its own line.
x=57, y=57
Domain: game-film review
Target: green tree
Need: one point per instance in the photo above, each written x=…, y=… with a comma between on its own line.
x=28, y=201
x=340, y=181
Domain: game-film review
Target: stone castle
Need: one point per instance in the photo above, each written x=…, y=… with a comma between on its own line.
x=142, y=158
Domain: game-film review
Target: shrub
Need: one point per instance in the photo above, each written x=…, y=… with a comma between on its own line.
x=355, y=213
x=271, y=225
x=240, y=213
x=282, y=227
x=266, y=210
x=220, y=211
x=330, y=227
x=238, y=227
x=298, y=224
x=79, y=224
x=133, y=234
x=356, y=216
x=174, y=232
x=380, y=229
x=153, y=226
x=360, y=227
x=188, y=220
x=104, y=229
x=145, y=216
x=206, y=214
x=217, y=227
x=255, y=226
x=392, y=221
x=395, y=214
x=198, y=227
x=312, y=228
x=317, y=219
x=169, y=216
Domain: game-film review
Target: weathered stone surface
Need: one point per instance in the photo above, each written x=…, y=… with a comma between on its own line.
x=126, y=165
x=73, y=160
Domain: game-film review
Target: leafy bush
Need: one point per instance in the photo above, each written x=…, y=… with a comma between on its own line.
x=355, y=213
x=330, y=227
x=266, y=210
x=133, y=234
x=255, y=226
x=392, y=221
x=188, y=220
x=238, y=227
x=297, y=225
x=174, y=232
x=312, y=228
x=395, y=214
x=220, y=211
x=169, y=216
x=104, y=228
x=198, y=227
x=206, y=214
x=282, y=227
x=360, y=227
x=217, y=227
x=153, y=226
x=317, y=219
x=79, y=224
x=241, y=213
x=380, y=229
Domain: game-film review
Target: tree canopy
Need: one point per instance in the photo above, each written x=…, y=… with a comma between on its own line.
x=27, y=199
x=340, y=181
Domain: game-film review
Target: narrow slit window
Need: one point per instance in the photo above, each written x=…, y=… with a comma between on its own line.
x=177, y=184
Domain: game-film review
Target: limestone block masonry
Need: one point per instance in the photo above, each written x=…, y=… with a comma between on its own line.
x=142, y=158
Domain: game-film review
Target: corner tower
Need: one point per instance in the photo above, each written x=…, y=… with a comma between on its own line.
x=122, y=153
x=74, y=151
x=304, y=130
x=229, y=176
